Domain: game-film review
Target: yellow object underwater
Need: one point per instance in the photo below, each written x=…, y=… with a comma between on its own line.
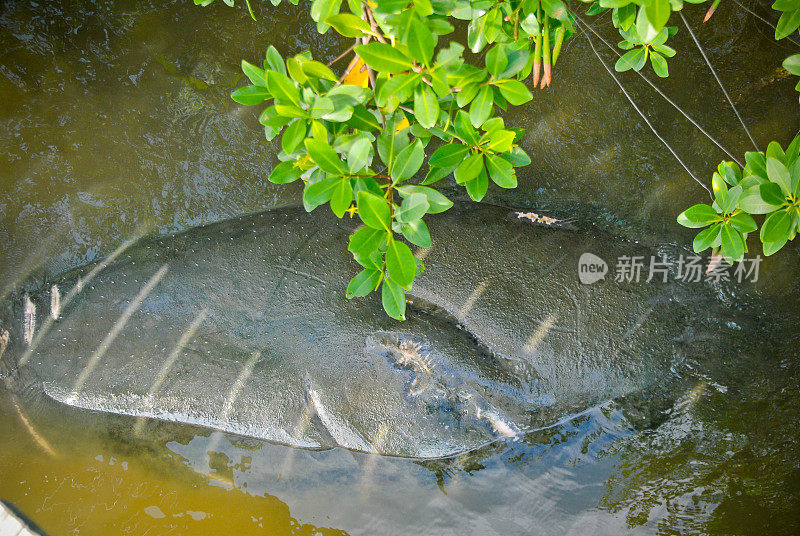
x=357, y=74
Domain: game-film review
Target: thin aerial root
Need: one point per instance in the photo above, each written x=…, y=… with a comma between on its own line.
x=646, y=120
x=716, y=77
x=662, y=94
x=765, y=21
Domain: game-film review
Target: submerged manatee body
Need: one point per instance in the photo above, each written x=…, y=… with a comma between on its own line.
x=243, y=326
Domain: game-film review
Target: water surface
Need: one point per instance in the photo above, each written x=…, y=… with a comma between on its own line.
x=117, y=123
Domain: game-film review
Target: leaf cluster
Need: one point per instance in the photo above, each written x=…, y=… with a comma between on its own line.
x=768, y=185
x=358, y=148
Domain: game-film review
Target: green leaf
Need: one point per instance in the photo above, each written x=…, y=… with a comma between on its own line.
x=731, y=199
x=785, y=5
x=384, y=58
x=774, y=151
x=501, y=140
x=285, y=172
x=756, y=164
x=776, y=226
x=753, y=203
x=257, y=75
x=317, y=69
x=366, y=240
x=394, y=299
x=466, y=94
x=358, y=155
x=707, y=238
x=517, y=157
x=469, y=168
x=363, y=283
x=274, y=60
x=400, y=265
x=514, y=91
x=477, y=187
x=420, y=42
x=423, y=7
x=426, y=106
x=530, y=24
x=496, y=60
x=646, y=31
x=772, y=247
x=732, y=243
x=626, y=16
x=664, y=50
x=492, y=25
x=374, y=211
x=699, y=215
x=720, y=189
x=501, y=172
x=400, y=86
x=367, y=184
x=772, y=193
x=744, y=223
x=657, y=12
x=324, y=156
x=349, y=25
x=412, y=209
x=778, y=174
x=319, y=193
x=417, y=233
x=555, y=9
x=295, y=69
x=795, y=173
x=464, y=128
x=363, y=119
x=293, y=136
x=730, y=172
x=342, y=197
x=481, y=107
x=435, y=174
x=633, y=59
x=659, y=64
x=251, y=95
x=407, y=162
x=792, y=151
x=436, y=201
x=788, y=23
x=321, y=10
x=290, y=110
x=792, y=64
x=449, y=156
x=282, y=88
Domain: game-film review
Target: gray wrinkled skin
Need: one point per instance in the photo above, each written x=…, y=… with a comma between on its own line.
x=243, y=326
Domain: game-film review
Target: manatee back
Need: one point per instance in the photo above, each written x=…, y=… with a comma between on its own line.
x=242, y=326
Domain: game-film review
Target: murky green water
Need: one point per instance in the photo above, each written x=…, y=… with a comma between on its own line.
x=117, y=123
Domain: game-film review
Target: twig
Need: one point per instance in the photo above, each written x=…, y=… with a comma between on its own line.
x=722, y=87
x=343, y=54
x=373, y=25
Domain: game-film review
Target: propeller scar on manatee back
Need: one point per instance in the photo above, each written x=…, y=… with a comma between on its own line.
x=500, y=338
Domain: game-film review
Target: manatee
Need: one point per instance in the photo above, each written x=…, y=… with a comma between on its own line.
x=242, y=326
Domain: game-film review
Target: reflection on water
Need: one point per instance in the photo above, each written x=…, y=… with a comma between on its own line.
x=117, y=123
